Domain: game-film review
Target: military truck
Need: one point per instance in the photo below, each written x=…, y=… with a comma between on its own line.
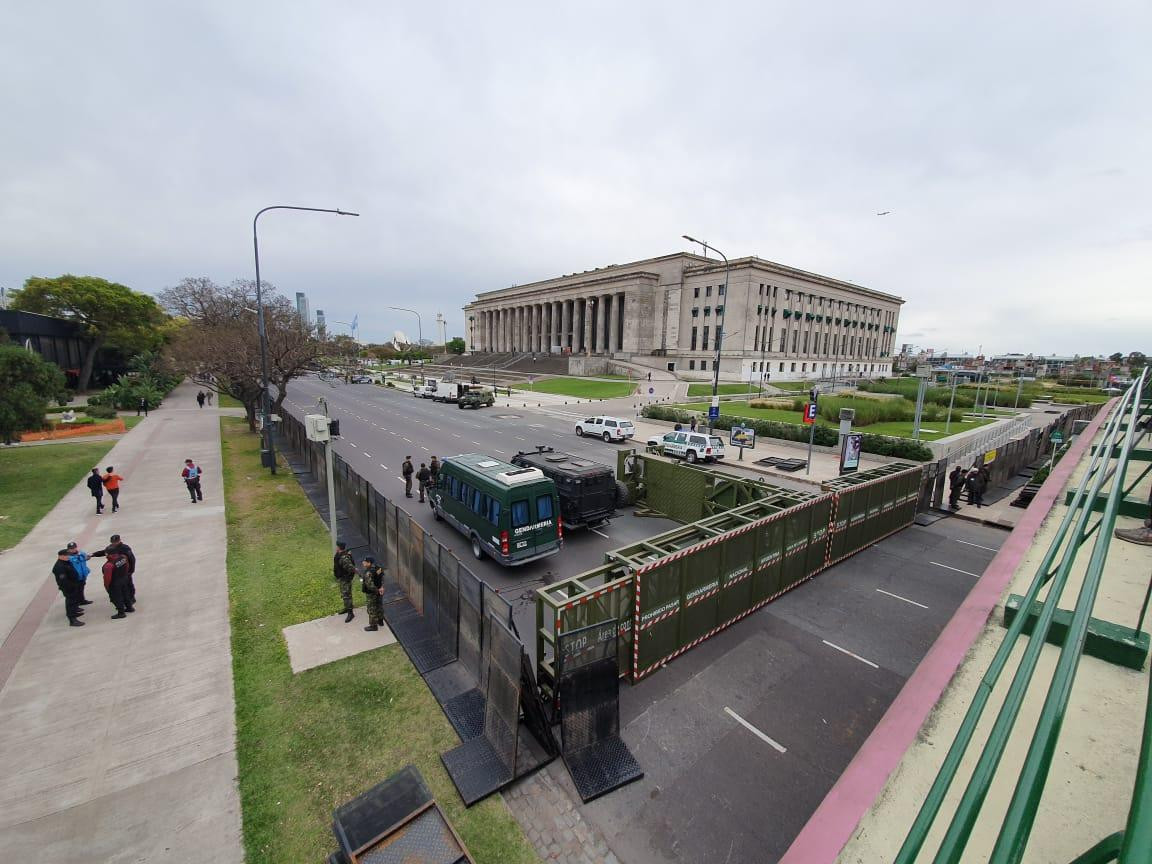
x=589, y=493
x=473, y=396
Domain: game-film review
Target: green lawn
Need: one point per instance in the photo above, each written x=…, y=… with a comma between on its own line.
x=781, y=415
x=723, y=390
x=225, y=401
x=306, y=743
x=581, y=388
x=34, y=479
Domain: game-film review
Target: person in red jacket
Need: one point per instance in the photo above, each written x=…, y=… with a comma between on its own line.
x=112, y=483
x=191, y=475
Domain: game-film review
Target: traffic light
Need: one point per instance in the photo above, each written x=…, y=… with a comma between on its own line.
x=334, y=428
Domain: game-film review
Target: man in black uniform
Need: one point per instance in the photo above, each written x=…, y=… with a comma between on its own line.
x=406, y=471
x=434, y=470
x=373, y=586
x=955, y=487
x=96, y=487
x=344, y=570
x=116, y=546
x=423, y=475
x=68, y=582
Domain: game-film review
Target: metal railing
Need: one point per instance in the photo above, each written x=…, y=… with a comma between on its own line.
x=1135, y=845
x=997, y=435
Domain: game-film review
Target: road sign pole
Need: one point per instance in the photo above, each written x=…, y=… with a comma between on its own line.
x=811, y=432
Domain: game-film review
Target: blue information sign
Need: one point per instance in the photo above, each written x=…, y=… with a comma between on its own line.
x=713, y=412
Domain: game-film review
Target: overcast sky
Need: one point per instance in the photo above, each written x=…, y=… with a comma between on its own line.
x=494, y=144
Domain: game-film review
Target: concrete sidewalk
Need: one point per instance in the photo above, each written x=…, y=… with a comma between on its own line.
x=118, y=738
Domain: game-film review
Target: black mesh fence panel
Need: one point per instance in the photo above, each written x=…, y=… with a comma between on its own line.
x=470, y=627
x=390, y=543
x=403, y=552
x=447, y=601
x=416, y=564
x=430, y=580
x=502, y=711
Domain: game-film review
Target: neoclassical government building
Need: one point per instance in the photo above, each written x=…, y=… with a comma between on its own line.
x=665, y=312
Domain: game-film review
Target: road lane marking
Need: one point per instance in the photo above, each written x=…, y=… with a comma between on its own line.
x=454, y=435
x=501, y=452
x=425, y=449
x=409, y=440
x=898, y=597
x=352, y=443
x=366, y=453
x=382, y=465
x=435, y=428
x=518, y=438
x=977, y=545
x=957, y=569
x=601, y=533
x=477, y=443
x=849, y=653
x=774, y=745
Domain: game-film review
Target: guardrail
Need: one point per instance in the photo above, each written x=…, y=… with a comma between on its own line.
x=1135, y=844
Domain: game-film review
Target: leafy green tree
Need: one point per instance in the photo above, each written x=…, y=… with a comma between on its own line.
x=111, y=314
x=27, y=385
x=455, y=346
x=1116, y=357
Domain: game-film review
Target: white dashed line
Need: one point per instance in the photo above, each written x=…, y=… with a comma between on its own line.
x=774, y=745
x=957, y=569
x=518, y=438
x=601, y=533
x=366, y=453
x=477, y=443
x=501, y=452
x=898, y=597
x=454, y=435
x=850, y=654
x=352, y=443
x=977, y=545
x=425, y=449
x=382, y=465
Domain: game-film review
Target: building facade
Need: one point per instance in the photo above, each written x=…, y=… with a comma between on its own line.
x=302, y=307
x=666, y=313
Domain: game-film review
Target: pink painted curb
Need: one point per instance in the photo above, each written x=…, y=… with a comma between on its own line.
x=831, y=826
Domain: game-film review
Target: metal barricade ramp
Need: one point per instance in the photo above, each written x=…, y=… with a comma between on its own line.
x=597, y=758
x=395, y=822
x=483, y=764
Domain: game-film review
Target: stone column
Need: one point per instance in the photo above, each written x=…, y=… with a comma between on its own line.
x=589, y=316
x=557, y=305
x=538, y=319
x=614, y=325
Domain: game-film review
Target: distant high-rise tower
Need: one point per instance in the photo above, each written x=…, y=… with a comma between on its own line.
x=302, y=307
x=320, y=328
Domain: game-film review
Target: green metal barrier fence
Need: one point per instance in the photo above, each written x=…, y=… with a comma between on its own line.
x=1135, y=845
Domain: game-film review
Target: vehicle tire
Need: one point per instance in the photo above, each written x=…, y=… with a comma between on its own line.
x=579, y=432
x=460, y=405
x=623, y=494
x=477, y=549
x=607, y=438
x=691, y=456
x=435, y=513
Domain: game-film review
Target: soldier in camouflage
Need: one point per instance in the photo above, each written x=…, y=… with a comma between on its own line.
x=344, y=571
x=372, y=578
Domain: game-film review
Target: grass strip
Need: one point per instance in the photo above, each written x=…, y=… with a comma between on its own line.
x=34, y=479
x=581, y=389
x=307, y=743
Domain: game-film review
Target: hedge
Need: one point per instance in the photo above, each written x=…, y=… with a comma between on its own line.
x=825, y=436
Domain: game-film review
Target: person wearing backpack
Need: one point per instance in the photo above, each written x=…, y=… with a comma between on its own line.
x=191, y=475
x=116, y=546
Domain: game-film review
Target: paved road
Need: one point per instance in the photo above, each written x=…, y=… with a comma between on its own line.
x=742, y=737
x=380, y=426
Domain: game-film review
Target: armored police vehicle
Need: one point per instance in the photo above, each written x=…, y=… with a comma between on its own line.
x=508, y=512
x=589, y=493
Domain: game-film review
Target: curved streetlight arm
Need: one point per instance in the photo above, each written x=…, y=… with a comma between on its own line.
x=720, y=324
x=264, y=400
x=419, y=323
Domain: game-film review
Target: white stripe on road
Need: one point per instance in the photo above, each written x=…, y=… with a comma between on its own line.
x=366, y=453
x=501, y=452
x=898, y=597
x=352, y=443
x=977, y=545
x=477, y=443
x=409, y=440
x=849, y=653
x=777, y=747
x=601, y=533
x=518, y=438
x=382, y=465
x=957, y=569
x=425, y=449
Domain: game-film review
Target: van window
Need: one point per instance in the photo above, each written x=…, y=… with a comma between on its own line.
x=520, y=516
x=611, y=423
x=494, y=512
x=476, y=499
x=681, y=437
x=544, y=507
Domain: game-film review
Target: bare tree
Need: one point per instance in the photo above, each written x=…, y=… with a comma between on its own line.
x=218, y=342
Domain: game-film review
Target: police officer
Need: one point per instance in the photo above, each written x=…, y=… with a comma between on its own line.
x=70, y=586
x=955, y=487
x=423, y=475
x=434, y=470
x=372, y=579
x=406, y=471
x=343, y=570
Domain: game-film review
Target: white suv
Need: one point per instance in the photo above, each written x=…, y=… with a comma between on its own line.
x=693, y=446
x=608, y=428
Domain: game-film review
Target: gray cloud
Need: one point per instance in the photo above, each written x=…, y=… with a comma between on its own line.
x=487, y=146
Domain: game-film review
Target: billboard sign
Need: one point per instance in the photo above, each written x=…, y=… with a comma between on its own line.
x=742, y=436
x=850, y=453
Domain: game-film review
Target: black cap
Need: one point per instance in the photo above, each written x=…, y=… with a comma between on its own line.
x=115, y=538
x=62, y=552
x=340, y=544
x=369, y=559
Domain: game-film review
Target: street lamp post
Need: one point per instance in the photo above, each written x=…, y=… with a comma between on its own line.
x=419, y=323
x=719, y=328
x=266, y=431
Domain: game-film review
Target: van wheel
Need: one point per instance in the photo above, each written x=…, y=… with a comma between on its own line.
x=623, y=494
x=435, y=512
x=691, y=456
x=579, y=432
x=460, y=405
x=607, y=438
x=477, y=549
